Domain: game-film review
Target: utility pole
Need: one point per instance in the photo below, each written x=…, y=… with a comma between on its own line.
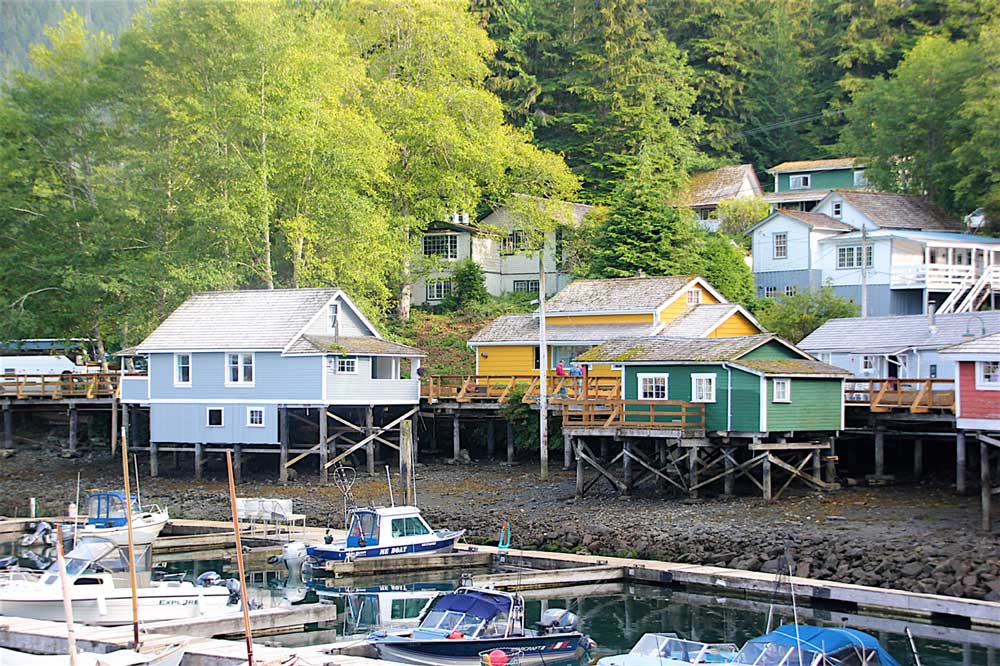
x=864, y=271
x=543, y=375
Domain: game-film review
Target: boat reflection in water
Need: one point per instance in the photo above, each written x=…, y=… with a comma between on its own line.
x=385, y=607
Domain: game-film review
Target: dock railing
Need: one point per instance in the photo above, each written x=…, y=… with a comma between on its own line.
x=919, y=396
x=500, y=388
x=57, y=387
x=617, y=413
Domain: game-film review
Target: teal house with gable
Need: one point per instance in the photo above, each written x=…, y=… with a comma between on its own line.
x=801, y=184
x=751, y=386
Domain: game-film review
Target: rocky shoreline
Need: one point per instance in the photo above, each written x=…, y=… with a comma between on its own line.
x=919, y=538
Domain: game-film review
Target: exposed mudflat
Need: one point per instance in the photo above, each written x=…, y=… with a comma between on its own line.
x=920, y=537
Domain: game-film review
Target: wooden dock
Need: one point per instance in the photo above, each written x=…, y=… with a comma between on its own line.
x=373, y=566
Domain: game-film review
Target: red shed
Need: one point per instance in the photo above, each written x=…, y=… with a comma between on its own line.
x=977, y=387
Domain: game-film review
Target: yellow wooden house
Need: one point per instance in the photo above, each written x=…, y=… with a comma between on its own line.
x=587, y=313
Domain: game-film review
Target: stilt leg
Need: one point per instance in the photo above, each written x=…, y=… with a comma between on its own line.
x=74, y=417
x=768, y=494
x=693, y=471
x=986, y=491
x=324, y=447
x=456, y=437
x=283, y=442
x=490, y=439
x=198, y=454
x=960, y=462
x=154, y=459
x=918, y=458
x=510, y=443
x=8, y=426
x=238, y=463
x=370, y=447
x=567, y=451
x=627, y=466
x=879, y=452
x=579, y=469
x=729, y=480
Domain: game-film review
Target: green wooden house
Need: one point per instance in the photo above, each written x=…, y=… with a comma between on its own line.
x=751, y=385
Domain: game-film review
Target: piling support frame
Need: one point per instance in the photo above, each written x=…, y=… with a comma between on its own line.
x=729, y=480
x=628, y=465
x=567, y=451
x=831, y=461
x=693, y=472
x=766, y=466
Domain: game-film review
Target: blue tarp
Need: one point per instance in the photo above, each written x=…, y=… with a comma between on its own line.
x=826, y=640
x=481, y=605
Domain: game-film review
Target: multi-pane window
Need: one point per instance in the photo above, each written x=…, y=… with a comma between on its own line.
x=404, y=527
x=694, y=296
x=438, y=289
x=652, y=387
x=239, y=368
x=347, y=366
x=255, y=417
x=838, y=209
x=782, y=390
x=791, y=290
x=214, y=417
x=441, y=245
x=868, y=363
x=702, y=387
x=769, y=292
x=988, y=375
x=781, y=246
x=525, y=286
x=849, y=256
x=799, y=182
x=182, y=369
x=514, y=242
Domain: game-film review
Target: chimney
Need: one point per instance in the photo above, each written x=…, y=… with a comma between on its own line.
x=931, y=321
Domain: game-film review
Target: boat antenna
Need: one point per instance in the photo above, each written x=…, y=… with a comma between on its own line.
x=131, y=543
x=388, y=479
x=913, y=648
x=138, y=493
x=67, y=603
x=244, y=601
x=795, y=609
x=76, y=523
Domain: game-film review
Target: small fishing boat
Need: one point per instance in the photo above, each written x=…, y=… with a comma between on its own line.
x=462, y=625
x=803, y=645
x=671, y=650
x=106, y=518
x=385, y=532
x=97, y=570
x=168, y=656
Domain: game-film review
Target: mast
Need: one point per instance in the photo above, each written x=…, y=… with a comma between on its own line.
x=67, y=602
x=131, y=543
x=543, y=375
x=244, y=601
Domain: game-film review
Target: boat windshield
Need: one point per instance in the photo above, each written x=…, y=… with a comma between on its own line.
x=108, y=506
x=466, y=624
x=671, y=647
x=776, y=654
x=363, y=530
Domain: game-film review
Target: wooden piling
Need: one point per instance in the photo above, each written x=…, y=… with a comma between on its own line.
x=370, y=446
x=567, y=451
x=831, y=461
x=284, y=428
x=579, y=468
x=74, y=422
x=490, y=439
x=8, y=426
x=238, y=462
x=879, y=451
x=406, y=460
x=199, y=450
x=960, y=462
x=510, y=443
x=324, y=446
x=729, y=480
x=768, y=494
x=693, y=471
x=986, y=490
x=154, y=459
x=918, y=458
x=456, y=437
x=661, y=463
x=628, y=466
x=114, y=426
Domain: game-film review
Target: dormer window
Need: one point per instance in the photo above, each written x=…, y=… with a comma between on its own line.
x=332, y=314
x=838, y=209
x=694, y=296
x=801, y=182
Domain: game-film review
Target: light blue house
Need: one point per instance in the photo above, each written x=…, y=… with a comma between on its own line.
x=236, y=368
x=902, y=251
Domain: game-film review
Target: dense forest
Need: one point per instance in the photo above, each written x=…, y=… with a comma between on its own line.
x=149, y=149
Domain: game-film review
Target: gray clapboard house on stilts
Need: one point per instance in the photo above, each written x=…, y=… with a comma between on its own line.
x=257, y=371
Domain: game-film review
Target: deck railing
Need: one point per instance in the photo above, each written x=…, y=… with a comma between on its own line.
x=499, y=388
x=919, y=396
x=66, y=385
x=608, y=413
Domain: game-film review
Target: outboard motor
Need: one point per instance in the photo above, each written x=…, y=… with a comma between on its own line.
x=41, y=535
x=208, y=579
x=557, y=621
x=235, y=593
x=328, y=538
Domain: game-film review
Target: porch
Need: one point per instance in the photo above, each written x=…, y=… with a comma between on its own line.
x=918, y=396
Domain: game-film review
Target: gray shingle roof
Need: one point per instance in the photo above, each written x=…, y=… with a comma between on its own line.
x=710, y=187
x=364, y=346
x=886, y=335
x=524, y=328
x=699, y=320
x=795, y=195
x=659, y=348
x=616, y=294
x=246, y=320
x=986, y=344
x=792, y=366
x=901, y=211
x=817, y=220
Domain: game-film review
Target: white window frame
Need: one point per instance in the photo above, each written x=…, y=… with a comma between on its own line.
x=694, y=297
x=526, y=286
x=860, y=180
x=783, y=236
x=514, y=242
x=240, y=383
x=770, y=292
x=442, y=245
x=800, y=182
x=436, y=291
x=344, y=359
x=641, y=376
x=849, y=256
x=177, y=382
x=250, y=423
x=982, y=384
x=332, y=317
x=869, y=362
x=702, y=376
x=791, y=290
x=222, y=417
x=787, y=383
x=838, y=209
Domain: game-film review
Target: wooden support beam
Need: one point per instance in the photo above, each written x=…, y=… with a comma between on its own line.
x=127, y=417
x=797, y=473
x=567, y=451
x=370, y=444
x=985, y=487
x=8, y=426
x=154, y=460
x=510, y=443
x=584, y=452
x=324, y=446
x=918, y=458
x=729, y=480
x=627, y=471
x=831, y=461
x=198, y=460
x=693, y=472
x=768, y=496
x=960, y=462
x=369, y=438
x=742, y=468
x=456, y=437
x=631, y=454
x=114, y=426
x=237, y=463
x=809, y=478
x=415, y=455
x=74, y=416
x=661, y=463
x=406, y=429
x=283, y=438
x=579, y=467
x=879, y=452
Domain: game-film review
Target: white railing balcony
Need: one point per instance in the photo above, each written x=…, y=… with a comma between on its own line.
x=936, y=277
x=354, y=390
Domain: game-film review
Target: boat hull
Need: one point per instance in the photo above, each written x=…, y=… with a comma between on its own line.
x=532, y=650
x=444, y=543
x=115, y=608
x=143, y=531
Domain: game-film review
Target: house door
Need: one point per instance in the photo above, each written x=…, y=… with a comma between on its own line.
x=893, y=367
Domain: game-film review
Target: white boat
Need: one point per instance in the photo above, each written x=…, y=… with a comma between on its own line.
x=98, y=574
x=386, y=532
x=670, y=650
x=168, y=656
x=106, y=517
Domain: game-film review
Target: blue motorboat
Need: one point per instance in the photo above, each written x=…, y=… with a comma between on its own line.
x=802, y=645
x=464, y=624
x=671, y=650
x=386, y=532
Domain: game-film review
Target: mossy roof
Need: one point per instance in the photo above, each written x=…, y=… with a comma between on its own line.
x=673, y=349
